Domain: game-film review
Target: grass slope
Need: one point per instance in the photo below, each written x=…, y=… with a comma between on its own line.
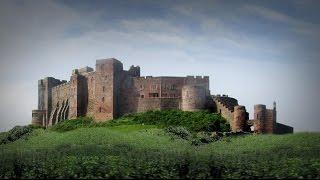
x=147, y=151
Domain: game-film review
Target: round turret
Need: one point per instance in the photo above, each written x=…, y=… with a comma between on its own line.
x=193, y=98
x=259, y=117
x=239, y=119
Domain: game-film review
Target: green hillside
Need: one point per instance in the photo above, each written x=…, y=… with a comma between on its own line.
x=132, y=148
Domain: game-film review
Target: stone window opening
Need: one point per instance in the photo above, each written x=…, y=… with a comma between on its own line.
x=142, y=96
x=153, y=94
x=103, y=89
x=154, y=87
x=100, y=109
x=102, y=99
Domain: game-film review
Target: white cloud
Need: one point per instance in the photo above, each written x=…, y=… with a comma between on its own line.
x=39, y=42
x=301, y=27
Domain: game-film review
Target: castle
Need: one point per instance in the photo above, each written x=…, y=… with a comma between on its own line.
x=110, y=92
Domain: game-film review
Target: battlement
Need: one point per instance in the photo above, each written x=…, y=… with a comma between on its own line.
x=134, y=71
x=82, y=71
x=62, y=85
x=108, y=60
x=110, y=91
x=197, y=77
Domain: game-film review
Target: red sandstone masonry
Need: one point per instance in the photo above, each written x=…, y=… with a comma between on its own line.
x=110, y=92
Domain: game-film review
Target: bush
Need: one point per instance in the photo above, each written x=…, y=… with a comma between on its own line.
x=16, y=133
x=179, y=131
x=204, y=137
x=193, y=121
x=35, y=126
x=71, y=124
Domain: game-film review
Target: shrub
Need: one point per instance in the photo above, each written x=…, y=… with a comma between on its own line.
x=16, y=133
x=193, y=121
x=204, y=137
x=179, y=131
x=71, y=124
x=35, y=126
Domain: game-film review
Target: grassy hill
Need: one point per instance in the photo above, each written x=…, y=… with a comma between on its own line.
x=135, y=147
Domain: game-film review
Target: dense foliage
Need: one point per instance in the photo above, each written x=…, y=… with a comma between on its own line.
x=16, y=133
x=72, y=124
x=194, y=121
x=140, y=148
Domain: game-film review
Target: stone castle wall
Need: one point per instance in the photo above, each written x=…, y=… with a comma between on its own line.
x=225, y=106
x=240, y=118
x=60, y=103
x=193, y=98
x=111, y=91
x=264, y=119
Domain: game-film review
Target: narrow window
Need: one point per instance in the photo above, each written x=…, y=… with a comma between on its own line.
x=142, y=96
x=100, y=109
x=153, y=95
x=102, y=99
x=154, y=87
x=103, y=89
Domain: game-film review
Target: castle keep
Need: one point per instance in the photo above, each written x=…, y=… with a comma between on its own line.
x=110, y=92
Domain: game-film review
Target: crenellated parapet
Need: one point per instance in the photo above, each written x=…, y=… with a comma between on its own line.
x=109, y=91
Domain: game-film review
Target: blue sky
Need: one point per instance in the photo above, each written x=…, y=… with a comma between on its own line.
x=255, y=51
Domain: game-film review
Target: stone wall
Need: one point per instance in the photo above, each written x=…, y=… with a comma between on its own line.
x=90, y=78
x=193, y=98
x=270, y=121
x=283, y=129
x=38, y=117
x=225, y=106
x=107, y=89
x=240, y=118
x=147, y=104
x=110, y=92
x=264, y=119
x=60, y=103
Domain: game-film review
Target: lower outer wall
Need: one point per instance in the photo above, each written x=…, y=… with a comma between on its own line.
x=225, y=112
x=146, y=104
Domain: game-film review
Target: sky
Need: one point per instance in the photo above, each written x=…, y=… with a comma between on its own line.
x=255, y=51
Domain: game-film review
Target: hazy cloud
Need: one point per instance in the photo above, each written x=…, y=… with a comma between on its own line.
x=253, y=61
